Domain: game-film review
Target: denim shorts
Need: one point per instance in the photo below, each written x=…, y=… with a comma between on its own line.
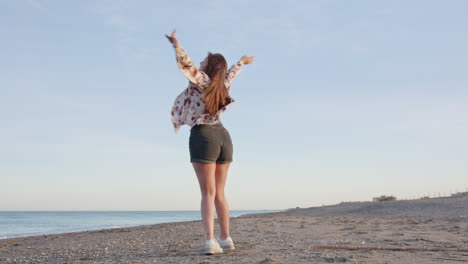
x=210, y=144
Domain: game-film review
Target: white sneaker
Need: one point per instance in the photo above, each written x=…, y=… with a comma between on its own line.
x=212, y=247
x=226, y=244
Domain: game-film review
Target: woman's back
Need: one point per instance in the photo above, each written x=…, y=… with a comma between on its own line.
x=190, y=107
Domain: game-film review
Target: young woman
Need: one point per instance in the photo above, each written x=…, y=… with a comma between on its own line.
x=200, y=106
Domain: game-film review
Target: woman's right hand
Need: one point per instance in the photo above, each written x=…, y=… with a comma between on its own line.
x=247, y=59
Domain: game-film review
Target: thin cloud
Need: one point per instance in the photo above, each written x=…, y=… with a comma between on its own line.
x=129, y=29
x=38, y=4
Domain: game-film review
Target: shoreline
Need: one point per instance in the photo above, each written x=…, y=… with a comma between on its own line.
x=123, y=226
x=98, y=230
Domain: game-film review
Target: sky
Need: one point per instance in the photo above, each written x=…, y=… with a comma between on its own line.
x=346, y=100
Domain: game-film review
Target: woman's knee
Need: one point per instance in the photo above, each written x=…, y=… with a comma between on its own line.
x=209, y=194
x=219, y=197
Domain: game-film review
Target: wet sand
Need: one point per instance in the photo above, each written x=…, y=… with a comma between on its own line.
x=415, y=231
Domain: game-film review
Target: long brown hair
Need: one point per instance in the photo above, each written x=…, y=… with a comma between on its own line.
x=216, y=94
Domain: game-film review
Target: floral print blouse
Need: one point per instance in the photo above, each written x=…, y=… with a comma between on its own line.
x=189, y=107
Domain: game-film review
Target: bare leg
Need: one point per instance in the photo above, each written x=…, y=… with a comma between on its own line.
x=222, y=207
x=206, y=179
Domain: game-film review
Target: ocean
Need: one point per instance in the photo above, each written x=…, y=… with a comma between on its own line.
x=30, y=223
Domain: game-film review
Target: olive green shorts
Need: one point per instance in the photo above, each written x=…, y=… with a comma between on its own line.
x=210, y=144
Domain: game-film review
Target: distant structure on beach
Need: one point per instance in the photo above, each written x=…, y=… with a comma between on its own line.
x=384, y=198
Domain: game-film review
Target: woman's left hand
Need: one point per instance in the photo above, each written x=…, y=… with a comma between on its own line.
x=173, y=38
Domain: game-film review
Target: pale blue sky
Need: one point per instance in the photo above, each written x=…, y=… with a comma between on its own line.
x=346, y=100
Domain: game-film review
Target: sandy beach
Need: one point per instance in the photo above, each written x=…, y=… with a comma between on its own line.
x=416, y=231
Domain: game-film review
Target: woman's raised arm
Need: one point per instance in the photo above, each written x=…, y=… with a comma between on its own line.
x=185, y=64
x=236, y=68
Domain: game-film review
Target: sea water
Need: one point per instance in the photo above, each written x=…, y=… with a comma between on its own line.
x=30, y=223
